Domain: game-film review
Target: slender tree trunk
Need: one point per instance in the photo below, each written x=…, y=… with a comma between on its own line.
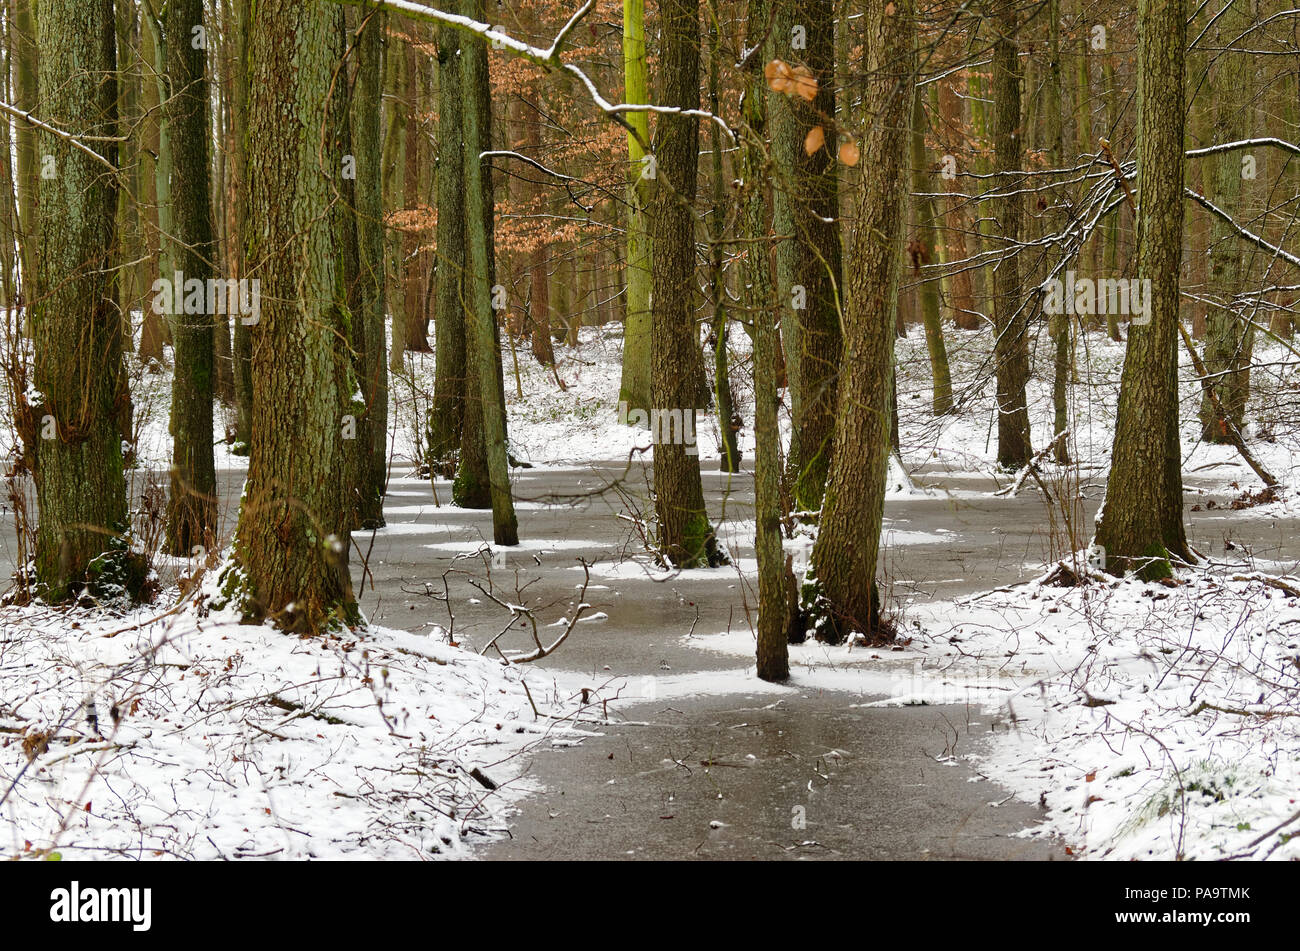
x=243, y=353
x=634, y=390
x=772, y=651
x=192, y=502
x=961, y=289
x=370, y=347
x=447, y=414
x=1010, y=314
x=928, y=291
x=840, y=595
x=25, y=61
x=1141, y=525
x=415, y=321
x=1225, y=328
x=72, y=434
x=1059, y=327
x=818, y=264
x=686, y=537
x=291, y=544
x=482, y=329
x=728, y=421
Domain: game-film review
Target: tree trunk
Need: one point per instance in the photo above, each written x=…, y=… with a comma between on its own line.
x=1141, y=525
x=291, y=544
x=923, y=252
x=447, y=414
x=841, y=595
x=634, y=390
x=24, y=51
x=686, y=537
x=415, y=322
x=818, y=264
x=482, y=330
x=728, y=421
x=773, y=662
x=1010, y=311
x=243, y=352
x=1225, y=328
x=192, y=501
x=72, y=435
x=369, y=345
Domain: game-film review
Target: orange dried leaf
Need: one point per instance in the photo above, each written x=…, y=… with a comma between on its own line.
x=815, y=139
x=850, y=154
x=804, y=84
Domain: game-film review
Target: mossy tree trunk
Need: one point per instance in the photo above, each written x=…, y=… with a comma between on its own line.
x=818, y=262
x=368, y=317
x=72, y=434
x=634, y=390
x=841, y=595
x=1141, y=524
x=192, y=500
x=291, y=543
x=772, y=652
x=686, y=537
x=480, y=314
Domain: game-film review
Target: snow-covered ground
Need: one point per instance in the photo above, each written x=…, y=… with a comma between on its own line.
x=189, y=735
x=1152, y=721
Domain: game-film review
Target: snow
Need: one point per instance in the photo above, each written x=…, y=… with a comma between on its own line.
x=192, y=736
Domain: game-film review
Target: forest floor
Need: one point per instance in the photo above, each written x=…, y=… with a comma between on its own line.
x=1017, y=719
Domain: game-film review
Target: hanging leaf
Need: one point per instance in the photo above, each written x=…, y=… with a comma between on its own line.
x=849, y=154
x=804, y=84
x=815, y=139
x=778, y=74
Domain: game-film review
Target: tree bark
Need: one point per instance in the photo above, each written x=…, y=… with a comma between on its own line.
x=291, y=544
x=1141, y=525
x=686, y=537
x=447, y=414
x=485, y=350
x=72, y=433
x=841, y=596
x=1010, y=312
x=192, y=499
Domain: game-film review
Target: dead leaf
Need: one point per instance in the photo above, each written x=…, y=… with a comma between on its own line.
x=815, y=139
x=850, y=154
x=804, y=84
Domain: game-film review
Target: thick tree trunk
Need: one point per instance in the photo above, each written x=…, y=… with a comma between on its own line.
x=291, y=544
x=686, y=537
x=1141, y=525
x=841, y=595
x=192, y=500
x=243, y=353
x=72, y=435
x=1010, y=311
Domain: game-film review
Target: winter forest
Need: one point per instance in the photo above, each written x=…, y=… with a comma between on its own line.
x=663, y=429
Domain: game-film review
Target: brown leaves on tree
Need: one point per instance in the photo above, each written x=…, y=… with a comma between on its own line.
x=850, y=154
x=814, y=140
x=791, y=80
